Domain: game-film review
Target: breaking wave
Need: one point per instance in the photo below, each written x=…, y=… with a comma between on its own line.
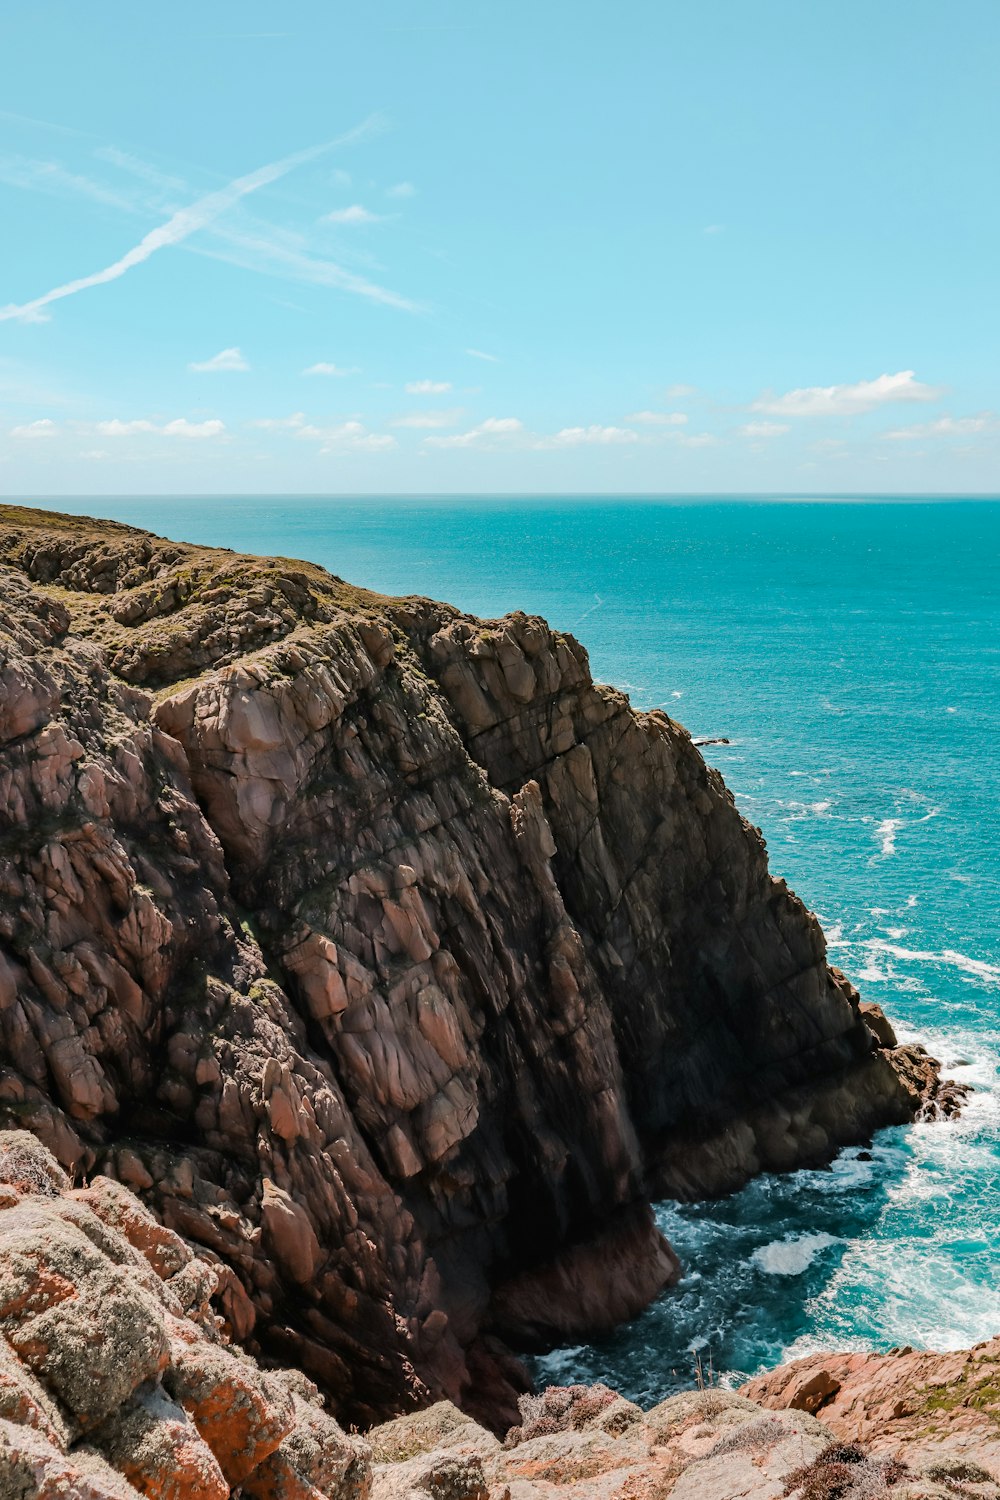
x=791, y=1256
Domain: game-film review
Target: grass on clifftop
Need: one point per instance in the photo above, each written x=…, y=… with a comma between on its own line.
x=169, y=610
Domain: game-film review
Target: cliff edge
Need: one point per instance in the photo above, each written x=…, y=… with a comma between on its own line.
x=394, y=962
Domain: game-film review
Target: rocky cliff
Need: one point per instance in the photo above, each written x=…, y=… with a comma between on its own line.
x=389, y=958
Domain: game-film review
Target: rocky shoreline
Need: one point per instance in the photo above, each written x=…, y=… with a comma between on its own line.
x=117, y=1380
x=394, y=963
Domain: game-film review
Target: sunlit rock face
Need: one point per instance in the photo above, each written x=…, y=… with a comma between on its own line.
x=393, y=961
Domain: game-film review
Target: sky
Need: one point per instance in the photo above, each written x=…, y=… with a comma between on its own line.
x=466, y=247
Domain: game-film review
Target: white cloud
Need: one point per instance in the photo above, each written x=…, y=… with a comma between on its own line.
x=181, y=427
x=677, y=392
x=355, y=214
x=846, y=400
x=279, y=424
x=226, y=359
x=481, y=354
x=115, y=427
x=94, y=453
x=179, y=227
x=698, y=440
x=986, y=421
x=53, y=179
x=401, y=190
x=178, y=427
x=764, y=429
x=351, y=435
x=428, y=387
x=483, y=436
x=126, y=162
x=43, y=428
x=658, y=418
x=324, y=368
x=575, y=437
x=250, y=243
x=272, y=252
x=428, y=419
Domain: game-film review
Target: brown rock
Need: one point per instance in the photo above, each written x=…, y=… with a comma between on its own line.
x=814, y=1391
x=115, y=1206
x=241, y=1413
x=290, y=1232
x=32, y=1469
x=159, y=1451
x=878, y=1023
x=589, y=1288
x=316, y=1461
x=106, y=1391
x=927, y=1408
x=91, y=1335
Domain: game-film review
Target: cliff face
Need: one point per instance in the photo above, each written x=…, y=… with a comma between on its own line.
x=393, y=961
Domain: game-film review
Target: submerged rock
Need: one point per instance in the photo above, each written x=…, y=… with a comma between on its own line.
x=391, y=960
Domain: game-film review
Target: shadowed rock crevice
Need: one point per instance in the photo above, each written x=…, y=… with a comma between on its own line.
x=393, y=961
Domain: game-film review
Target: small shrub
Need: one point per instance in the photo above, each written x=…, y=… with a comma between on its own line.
x=750, y=1437
x=959, y=1471
x=590, y=1404
x=844, y=1471
x=842, y=1453
x=557, y=1409
x=25, y=1167
x=828, y=1482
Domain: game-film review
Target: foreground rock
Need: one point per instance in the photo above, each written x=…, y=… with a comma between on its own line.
x=393, y=961
x=580, y=1443
x=941, y=1410
x=114, y=1378
x=117, y=1381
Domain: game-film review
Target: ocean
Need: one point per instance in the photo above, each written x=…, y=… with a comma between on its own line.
x=850, y=654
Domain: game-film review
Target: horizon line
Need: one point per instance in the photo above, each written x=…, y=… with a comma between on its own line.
x=792, y=496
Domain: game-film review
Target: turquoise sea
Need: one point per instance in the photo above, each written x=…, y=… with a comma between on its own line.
x=850, y=652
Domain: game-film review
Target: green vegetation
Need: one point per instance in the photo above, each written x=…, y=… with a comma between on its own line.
x=978, y=1387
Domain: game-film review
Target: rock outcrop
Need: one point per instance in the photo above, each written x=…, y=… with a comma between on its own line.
x=389, y=958
x=941, y=1410
x=115, y=1380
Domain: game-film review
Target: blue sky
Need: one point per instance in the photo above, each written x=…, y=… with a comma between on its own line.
x=712, y=246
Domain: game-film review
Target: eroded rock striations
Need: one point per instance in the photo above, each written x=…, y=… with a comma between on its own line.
x=389, y=958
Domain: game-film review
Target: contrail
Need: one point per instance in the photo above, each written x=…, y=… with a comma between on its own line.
x=183, y=224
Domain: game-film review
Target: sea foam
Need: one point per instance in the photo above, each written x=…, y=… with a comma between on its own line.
x=793, y=1254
